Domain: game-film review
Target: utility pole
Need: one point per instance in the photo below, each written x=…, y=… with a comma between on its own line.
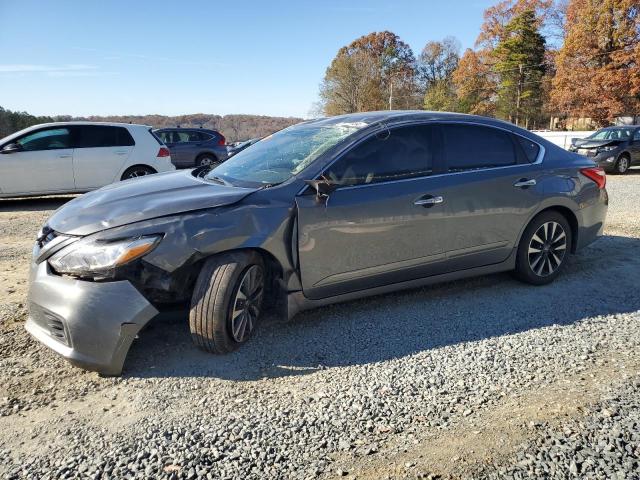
x=391, y=93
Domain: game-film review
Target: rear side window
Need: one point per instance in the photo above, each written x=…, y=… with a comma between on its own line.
x=405, y=152
x=530, y=149
x=470, y=147
x=95, y=136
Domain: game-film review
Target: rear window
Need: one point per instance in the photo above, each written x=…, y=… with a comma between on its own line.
x=95, y=136
x=470, y=147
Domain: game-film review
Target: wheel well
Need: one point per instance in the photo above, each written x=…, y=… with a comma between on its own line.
x=275, y=289
x=138, y=165
x=571, y=218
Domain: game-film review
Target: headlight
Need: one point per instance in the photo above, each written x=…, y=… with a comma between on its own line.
x=608, y=148
x=96, y=257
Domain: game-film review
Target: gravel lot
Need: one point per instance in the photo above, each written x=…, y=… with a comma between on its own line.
x=481, y=378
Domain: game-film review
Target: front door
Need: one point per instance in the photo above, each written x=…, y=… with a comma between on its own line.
x=384, y=223
x=44, y=163
x=635, y=148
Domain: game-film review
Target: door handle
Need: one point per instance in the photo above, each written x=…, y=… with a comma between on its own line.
x=429, y=201
x=524, y=183
x=64, y=155
x=120, y=153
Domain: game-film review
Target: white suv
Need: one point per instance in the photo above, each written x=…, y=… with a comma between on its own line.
x=68, y=157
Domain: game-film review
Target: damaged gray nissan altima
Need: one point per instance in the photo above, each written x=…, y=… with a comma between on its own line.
x=324, y=211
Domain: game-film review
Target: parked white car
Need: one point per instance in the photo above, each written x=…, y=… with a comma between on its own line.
x=74, y=157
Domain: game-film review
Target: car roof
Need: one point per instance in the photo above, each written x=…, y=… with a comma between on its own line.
x=83, y=122
x=394, y=116
x=186, y=129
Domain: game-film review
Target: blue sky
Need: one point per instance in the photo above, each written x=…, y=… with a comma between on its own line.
x=174, y=57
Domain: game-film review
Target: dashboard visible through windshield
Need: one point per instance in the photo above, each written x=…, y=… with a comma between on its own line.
x=278, y=157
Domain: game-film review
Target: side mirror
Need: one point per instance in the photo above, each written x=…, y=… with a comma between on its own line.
x=11, y=148
x=323, y=187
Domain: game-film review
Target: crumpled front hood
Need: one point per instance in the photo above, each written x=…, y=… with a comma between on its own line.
x=139, y=199
x=586, y=143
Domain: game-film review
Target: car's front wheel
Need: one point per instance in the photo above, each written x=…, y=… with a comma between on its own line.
x=226, y=304
x=622, y=165
x=544, y=249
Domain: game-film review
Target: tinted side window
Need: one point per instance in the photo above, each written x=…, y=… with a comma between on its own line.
x=636, y=136
x=94, y=136
x=198, y=136
x=470, y=147
x=530, y=149
x=401, y=153
x=49, y=139
x=163, y=136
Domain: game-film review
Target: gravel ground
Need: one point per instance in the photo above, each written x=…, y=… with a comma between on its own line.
x=484, y=377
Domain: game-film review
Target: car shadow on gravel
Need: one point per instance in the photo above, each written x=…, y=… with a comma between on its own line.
x=401, y=324
x=34, y=203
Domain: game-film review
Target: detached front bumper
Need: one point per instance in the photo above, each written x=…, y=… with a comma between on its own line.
x=91, y=324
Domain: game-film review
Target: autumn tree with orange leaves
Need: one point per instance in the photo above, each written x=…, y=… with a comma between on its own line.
x=598, y=66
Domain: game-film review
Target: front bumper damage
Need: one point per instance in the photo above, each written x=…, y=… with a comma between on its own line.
x=91, y=324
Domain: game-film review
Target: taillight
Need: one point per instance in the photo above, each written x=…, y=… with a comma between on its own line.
x=164, y=152
x=596, y=174
x=222, y=141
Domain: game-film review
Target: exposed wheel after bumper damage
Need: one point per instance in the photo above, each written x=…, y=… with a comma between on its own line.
x=227, y=301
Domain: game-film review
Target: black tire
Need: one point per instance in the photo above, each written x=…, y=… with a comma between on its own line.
x=214, y=297
x=137, y=171
x=207, y=160
x=528, y=267
x=622, y=164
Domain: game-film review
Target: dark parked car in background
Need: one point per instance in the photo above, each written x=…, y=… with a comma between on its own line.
x=320, y=212
x=240, y=146
x=615, y=149
x=194, y=147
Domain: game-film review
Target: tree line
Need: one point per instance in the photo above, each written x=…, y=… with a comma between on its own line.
x=233, y=127
x=533, y=60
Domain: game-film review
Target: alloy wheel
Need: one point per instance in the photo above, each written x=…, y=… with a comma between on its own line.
x=623, y=164
x=246, y=305
x=547, y=249
x=138, y=173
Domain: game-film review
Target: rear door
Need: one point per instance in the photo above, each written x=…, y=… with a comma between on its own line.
x=101, y=152
x=44, y=163
x=490, y=190
x=384, y=224
x=183, y=148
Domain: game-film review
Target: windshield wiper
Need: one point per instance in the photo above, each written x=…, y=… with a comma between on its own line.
x=218, y=180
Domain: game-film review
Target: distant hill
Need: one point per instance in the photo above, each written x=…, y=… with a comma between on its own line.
x=233, y=127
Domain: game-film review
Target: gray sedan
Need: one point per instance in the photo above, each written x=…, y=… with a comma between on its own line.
x=321, y=212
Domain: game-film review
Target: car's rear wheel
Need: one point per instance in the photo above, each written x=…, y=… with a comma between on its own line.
x=623, y=164
x=226, y=304
x=207, y=160
x=544, y=249
x=137, y=171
